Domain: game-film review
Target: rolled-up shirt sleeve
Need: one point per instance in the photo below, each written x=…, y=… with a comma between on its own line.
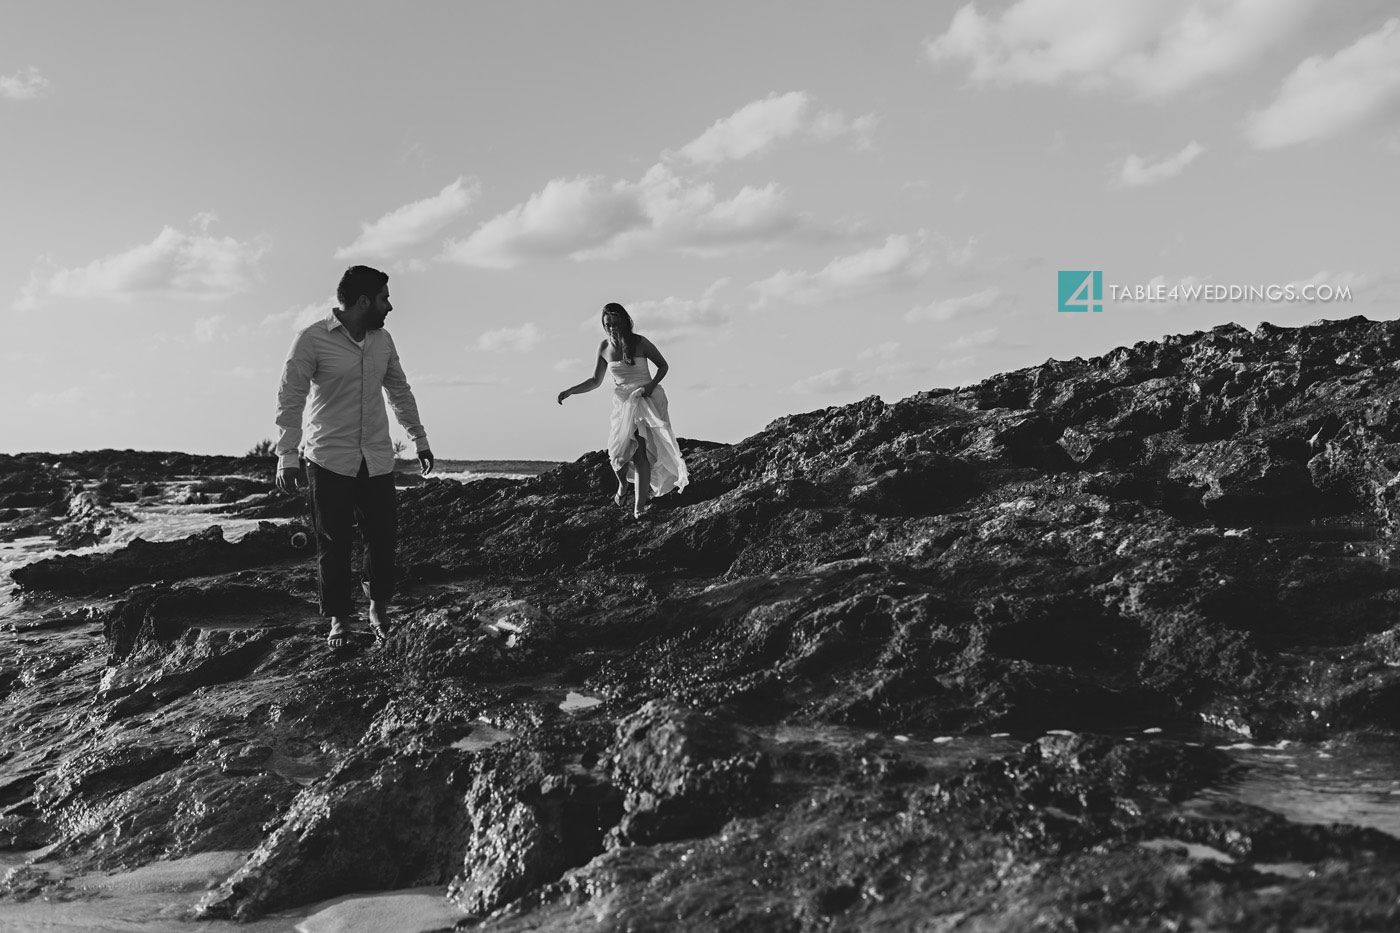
x=401, y=401
x=291, y=400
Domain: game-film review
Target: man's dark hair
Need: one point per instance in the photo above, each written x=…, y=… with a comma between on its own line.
x=357, y=281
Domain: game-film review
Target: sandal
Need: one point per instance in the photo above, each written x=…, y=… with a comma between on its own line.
x=380, y=627
x=617, y=497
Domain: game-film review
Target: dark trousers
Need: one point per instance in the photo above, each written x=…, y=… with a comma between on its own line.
x=337, y=503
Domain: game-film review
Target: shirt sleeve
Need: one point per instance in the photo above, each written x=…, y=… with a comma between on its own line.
x=402, y=402
x=291, y=400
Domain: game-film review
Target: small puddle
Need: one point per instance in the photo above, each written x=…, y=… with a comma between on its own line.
x=482, y=736
x=932, y=750
x=1309, y=531
x=577, y=701
x=1194, y=850
x=156, y=898
x=1204, y=853
x=415, y=910
x=1321, y=784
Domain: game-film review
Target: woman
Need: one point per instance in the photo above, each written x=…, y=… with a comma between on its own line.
x=641, y=444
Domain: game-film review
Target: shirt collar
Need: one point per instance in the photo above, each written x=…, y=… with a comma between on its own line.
x=331, y=321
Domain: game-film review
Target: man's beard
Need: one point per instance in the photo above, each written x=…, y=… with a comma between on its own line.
x=376, y=323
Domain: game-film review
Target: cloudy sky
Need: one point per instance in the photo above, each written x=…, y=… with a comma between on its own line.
x=802, y=203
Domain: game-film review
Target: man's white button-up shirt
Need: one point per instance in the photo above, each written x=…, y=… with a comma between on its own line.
x=348, y=384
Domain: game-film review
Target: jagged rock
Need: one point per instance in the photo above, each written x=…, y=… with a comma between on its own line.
x=142, y=562
x=1193, y=533
x=684, y=774
x=376, y=822
x=529, y=824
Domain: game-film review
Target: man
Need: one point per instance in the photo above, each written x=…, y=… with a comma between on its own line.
x=348, y=363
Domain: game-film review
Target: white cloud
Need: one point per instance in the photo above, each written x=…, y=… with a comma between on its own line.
x=672, y=318
x=691, y=217
x=1138, y=172
x=978, y=338
x=1325, y=97
x=509, y=339
x=963, y=255
x=173, y=265
x=840, y=379
x=751, y=129
x=885, y=351
x=1155, y=48
x=206, y=329
x=586, y=218
x=1365, y=288
x=25, y=85
x=567, y=217
x=758, y=126
x=412, y=224
x=946, y=309
x=900, y=261
x=831, y=124
x=61, y=399
x=900, y=368
x=879, y=375
x=404, y=266
x=295, y=319
x=458, y=381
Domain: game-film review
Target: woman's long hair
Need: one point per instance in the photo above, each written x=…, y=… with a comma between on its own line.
x=629, y=338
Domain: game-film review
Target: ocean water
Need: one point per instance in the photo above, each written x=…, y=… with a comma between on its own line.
x=158, y=898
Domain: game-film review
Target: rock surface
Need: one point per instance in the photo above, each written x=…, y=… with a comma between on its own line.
x=883, y=666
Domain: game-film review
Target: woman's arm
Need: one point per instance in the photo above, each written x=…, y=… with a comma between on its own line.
x=588, y=385
x=648, y=349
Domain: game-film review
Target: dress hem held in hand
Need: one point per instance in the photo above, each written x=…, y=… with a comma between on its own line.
x=648, y=417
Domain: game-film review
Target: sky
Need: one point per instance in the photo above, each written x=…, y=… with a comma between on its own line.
x=802, y=204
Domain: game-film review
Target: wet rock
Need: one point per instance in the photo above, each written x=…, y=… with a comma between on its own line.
x=91, y=519
x=141, y=562
x=503, y=821
x=684, y=774
x=529, y=824
x=1197, y=530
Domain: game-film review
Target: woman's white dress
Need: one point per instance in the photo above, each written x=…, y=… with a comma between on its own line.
x=633, y=415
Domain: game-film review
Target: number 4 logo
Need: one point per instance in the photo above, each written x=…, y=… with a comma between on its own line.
x=1081, y=291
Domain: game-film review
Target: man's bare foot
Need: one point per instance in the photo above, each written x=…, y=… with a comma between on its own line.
x=340, y=635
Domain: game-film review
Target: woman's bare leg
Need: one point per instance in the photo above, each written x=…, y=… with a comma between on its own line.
x=639, y=460
x=621, y=485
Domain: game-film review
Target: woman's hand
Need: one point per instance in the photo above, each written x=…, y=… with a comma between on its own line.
x=645, y=391
x=563, y=395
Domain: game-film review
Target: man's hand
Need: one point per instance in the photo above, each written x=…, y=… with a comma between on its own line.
x=425, y=461
x=563, y=395
x=288, y=479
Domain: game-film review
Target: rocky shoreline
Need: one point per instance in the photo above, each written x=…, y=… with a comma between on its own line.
x=883, y=666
